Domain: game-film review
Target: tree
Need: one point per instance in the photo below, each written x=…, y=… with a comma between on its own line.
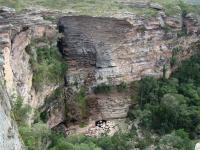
x=20, y=111
x=148, y=91
x=176, y=140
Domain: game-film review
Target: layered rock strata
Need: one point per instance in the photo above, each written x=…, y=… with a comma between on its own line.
x=123, y=49
x=110, y=50
x=17, y=32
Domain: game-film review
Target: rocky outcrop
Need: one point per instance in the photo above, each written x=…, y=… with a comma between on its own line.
x=109, y=50
x=113, y=106
x=9, y=136
x=123, y=49
x=197, y=146
x=17, y=32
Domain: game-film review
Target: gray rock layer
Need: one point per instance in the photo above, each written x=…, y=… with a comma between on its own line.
x=110, y=50
x=17, y=31
x=9, y=136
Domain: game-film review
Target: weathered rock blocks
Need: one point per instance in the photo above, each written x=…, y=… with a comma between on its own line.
x=111, y=51
x=114, y=50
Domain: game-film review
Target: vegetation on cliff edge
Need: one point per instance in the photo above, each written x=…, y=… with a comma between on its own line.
x=48, y=65
x=102, y=7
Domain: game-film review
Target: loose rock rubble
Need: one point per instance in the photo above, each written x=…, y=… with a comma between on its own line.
x=103, y=127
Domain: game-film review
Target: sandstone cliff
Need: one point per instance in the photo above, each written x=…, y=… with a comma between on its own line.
x=109, y=50
x=123, y=49
x=9, y=136
x=17, y=31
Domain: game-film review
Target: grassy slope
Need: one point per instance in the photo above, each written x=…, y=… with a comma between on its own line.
x=96, y=7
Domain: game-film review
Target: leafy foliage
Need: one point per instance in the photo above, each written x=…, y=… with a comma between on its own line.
x=20, y=111
x=48, y=67
x=82, y=102
x=171, y=104
x=117, y=142
x=176, y=140
x=33, y=136
x=102, y=88
x=122, y=87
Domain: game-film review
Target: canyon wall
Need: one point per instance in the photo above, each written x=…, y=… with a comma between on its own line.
x=104, y=50
x=17, y=32
x=109, y=50
x=9, y=136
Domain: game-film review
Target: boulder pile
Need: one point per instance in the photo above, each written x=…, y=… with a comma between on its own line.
x=102, y=127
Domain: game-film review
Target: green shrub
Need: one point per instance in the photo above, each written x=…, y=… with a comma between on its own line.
x=182, y=33
x=35, y=136
x=171, y=104
x=82, y=102
x=176, y=140
x=20, y=111
x=43, y=116
x=32, y=136
x=48, y=68
x=58, y=96
x=122, y=87
x=134, y=91
x=102, y=89
x=17, y=4
x=175, y=52
x=167, y=29
x=189, y=70
x=103, y=7
x=148, y=91
x=173, y=61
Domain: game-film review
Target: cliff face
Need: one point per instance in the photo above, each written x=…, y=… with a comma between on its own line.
x=115, y=50
x=98, y=50
x=109, y=50
x=17, y=32
x=9, y=136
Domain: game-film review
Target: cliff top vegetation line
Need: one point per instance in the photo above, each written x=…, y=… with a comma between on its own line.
x=107, y=7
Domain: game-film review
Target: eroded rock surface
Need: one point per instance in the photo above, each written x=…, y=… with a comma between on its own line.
x=109, y=50
x=123, y=49
x=9, y=136
x=17, y=32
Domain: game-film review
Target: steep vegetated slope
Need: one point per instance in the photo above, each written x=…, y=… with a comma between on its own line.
x=68, y=75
